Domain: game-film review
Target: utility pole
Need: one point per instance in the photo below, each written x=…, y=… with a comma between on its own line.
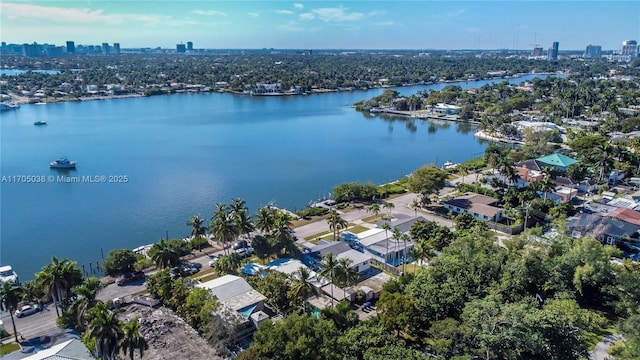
x=526, y=216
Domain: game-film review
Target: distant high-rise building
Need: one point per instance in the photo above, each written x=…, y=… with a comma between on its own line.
x=116, y=48
x=181, y=49
x=71, y=47
x=106, y=49
x=553, y=51
x=537, y=51
x=629, y=47
x=189, y=46
x=32, y=50
x=593, y=52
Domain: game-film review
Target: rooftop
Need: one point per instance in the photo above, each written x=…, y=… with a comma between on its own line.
x=557, y=160
x=233, y=291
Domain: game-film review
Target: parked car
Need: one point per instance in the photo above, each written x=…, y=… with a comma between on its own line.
x=28, y=310
x=240, y=244
x=129, y=277
x=244, y=252
x=184, y=270
x=213, y=259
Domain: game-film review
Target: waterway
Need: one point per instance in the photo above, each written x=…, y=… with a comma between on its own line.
x=154, y=162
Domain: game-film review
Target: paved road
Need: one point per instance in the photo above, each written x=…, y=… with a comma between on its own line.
x=34, y=324
x=601, y=351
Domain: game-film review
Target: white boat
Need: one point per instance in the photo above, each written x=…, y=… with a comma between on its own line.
x=7, y=107
x=8, y=274
x=63, y=163
x=449, y=165
x=40, y=122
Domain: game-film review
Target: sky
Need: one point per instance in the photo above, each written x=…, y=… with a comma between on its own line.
x=323, y=24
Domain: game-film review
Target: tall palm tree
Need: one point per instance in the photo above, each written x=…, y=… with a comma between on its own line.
x=389, y=207
x=243, y=221
x=329, y=263
x=336, y=223
x=508, y=171
x=303, y=287
x=86, y=292
x=386, y=226
x=281, y=231
x=197, y=229
x=374, y=209
x=419, y=252
x=165, y=255
x=223, y=225
x=265, y=219
x=546, y=185
x=131, y=339
x=106, y=330
x=9, y=299
x=345, y=274
x=415, y=205
x=58, y=278
x=396, y=235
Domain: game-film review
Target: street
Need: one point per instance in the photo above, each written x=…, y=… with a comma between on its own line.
x=32, y=325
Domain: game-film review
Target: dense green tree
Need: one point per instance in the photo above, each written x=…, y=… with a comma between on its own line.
x=427, y=181
x=119, y=261
x=295, y=337
x=165, y=254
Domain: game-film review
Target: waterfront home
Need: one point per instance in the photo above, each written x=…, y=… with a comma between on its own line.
x=481, y=207
x=558, y=161
x=446, y=109
x=383, y=247
x=359, y=261
x=235, y=293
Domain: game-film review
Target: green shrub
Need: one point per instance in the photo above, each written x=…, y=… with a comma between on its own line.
x=312, y=211
x=119, y=261
x=143, y=262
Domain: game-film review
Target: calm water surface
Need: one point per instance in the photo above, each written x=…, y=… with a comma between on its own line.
x=184, y=153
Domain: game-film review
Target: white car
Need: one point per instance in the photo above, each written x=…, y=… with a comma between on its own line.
x=213, y=259
x=247, y=251
x=28, y=310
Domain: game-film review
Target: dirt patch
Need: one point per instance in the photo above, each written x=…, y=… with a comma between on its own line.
x=168, y=336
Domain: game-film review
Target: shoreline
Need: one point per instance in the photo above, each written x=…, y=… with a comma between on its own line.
x=23, y=100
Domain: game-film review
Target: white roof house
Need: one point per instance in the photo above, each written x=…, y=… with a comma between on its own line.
x=383, y=246
x=360, y=261
x=234, y=292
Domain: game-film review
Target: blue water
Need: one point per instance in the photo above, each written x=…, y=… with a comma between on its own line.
x=184, y=153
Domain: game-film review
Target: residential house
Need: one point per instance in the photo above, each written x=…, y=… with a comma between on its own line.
x=481, y=207
x=608, y=230
x=235, y=293
x=558, y=161
x=626, y=215
x=359, y=260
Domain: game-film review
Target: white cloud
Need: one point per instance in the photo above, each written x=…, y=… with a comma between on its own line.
x=291, y=26
x=209, y=12
x=285, y=12
x=253, y=14
x=332, y=15
x=307, y=16
x=298, y=6
x=385, y=23
x=85, y=16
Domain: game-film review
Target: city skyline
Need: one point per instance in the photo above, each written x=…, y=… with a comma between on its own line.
x=328, y=25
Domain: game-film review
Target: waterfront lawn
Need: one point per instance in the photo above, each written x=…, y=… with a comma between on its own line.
x=314, y=237
x=356, y=229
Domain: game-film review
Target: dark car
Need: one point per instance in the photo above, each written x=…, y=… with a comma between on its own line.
x=240, y=244
x=129, y=277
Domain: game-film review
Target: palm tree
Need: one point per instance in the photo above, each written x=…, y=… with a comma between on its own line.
x=329, y=263
x=106, y=330
x=345, y=274
x=223, y=225
x=415, y=205
x=546, y=185
x=509, y=172
x=86, y=292
x=196, y=226
x=386, y=226
x=374, y=209
x=420, y=252
x=396, y=235
x=243, y=221
x=58, y=278
x=9, y=300
x=336, y=223
x=131, y=339
x=302, y=288
x=389, y=206
x=282, y=231
x=165, y=255
x=265, y=219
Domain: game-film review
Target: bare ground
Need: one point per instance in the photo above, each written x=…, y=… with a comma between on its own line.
x=168, y=336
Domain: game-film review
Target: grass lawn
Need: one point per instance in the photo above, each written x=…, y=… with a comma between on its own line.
x=356, y=229
x=374, y=218
x=8, y=348
x=594, y=337
x=318, y=235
